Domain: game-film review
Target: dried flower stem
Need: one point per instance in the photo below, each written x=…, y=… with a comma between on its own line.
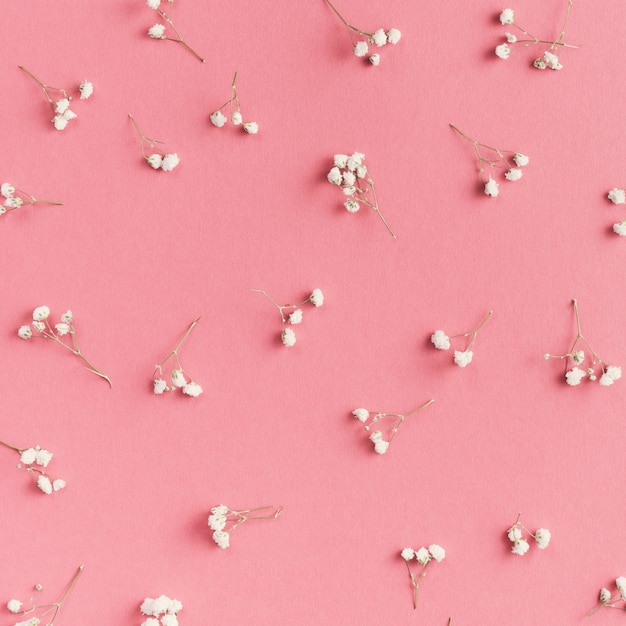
x=472, y=334
x=174, y=352
x=400, y=417
x=559, y=41
x=146, y=140
x=32, y=200
x=46, y=88
x=180, y=38
x=281, y=307
x=244, y=515
x=349, y=27
x=234, y=96
x=363, y=200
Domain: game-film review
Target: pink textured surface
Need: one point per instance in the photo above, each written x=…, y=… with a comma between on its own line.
x=138, y=254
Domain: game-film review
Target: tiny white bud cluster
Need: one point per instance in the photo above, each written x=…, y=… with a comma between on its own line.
x=158, y=160
x=423, y=556
x=224, y=520
x=516, y=535
x=618, y=196
x=218, y=119
x=163, y=611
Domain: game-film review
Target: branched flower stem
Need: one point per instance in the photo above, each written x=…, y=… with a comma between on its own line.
x=281, y=307
x=400, y=418
x=348, y=26
x=146, y=140
x=363, y=200
x=180, y=38
x=559, y=41
x=234, y=94
x=174, y=352
x=472, y=334
x=46, y=88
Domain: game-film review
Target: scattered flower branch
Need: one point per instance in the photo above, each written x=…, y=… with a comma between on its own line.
x=162, y=608
x=423, y=556
x=16, y=607
x=179, y=375
x=15, y=198
x=462, y=358
x=158, y=30
x=218, y=118
x=61, y=105
x=365, y=39
x=576, y=357
x=291, y=314
x=618, y=196
x=610, y=600
x=514, y=161
x=35, y=460
x=369, y=418
x=224, y=520
x=520, y=543
x=549, y=59
x=351, y=175
x=66, y=327
x=160, y=159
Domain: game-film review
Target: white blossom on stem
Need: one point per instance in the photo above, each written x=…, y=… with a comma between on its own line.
x=224, y=520
x=519, y=540
x=464, y=357
x=35, y=460
x=219, y=119
x=165, y=161
x=424, y=557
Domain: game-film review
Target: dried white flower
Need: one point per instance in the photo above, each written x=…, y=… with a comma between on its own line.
x=620, y=583
x=491, y=188
x=58, y=484
x=7, y=190
x=361, y=49
x=67, y=317
x=520, y=547
x=380, y=37
x=334, y=176
x=513, y=174
x=542, y=537
x=295, y=317
x=62, y=328
x=14, y=606
x=178, y=378
x=159, y=385
x=45, y=484
x=617, y=196
x=374, y=59
x=24, y=332
x=155, y=161
x=157, y=31
x=393, y=35
x=222, y=539
x=381, y=446
x=86, y=90
x=440, y=340
x=407, y=554
x=41, y=313
x=507, y=16
x=574, y=376
x=288, y=337
x=422, y=556
x=361, y=414
x=521, y=160
x=437, y=552
x=462, y=359
x=317, y=297
x=217, y=522
x=170, y=161
x=503, y=51
x=154, y=4
x=42, y=457
x=620, y=228
x=511, y=38
x=252, y=128
x=605, y=595
x=28, y=456
x=552, y=60
x=352, y=205
x=192, y=389
x=218, y=119
x=514, y=533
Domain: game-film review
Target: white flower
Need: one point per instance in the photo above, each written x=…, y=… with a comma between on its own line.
x=151, y=621
x=62, y=105
x=606, y=380
x=317, y=297
x=352, y=206
x=349, y=191
x=440, y=340
x=520, y=159
x=511, y=38
x=69, y=115
x=43, y=457
x=361, y=49
x=252, y=128
x=514, y=533
x=340, y=160
x=169, y=620
x=614, y=371
x=86, y=90
x=437, y=552
x=463, y=358
x=513, y=174
x=605, y=595
x=67, y=317
x=154, y=160
x=503, y=51
x=380, y=37
x=381, y=446
x=552, y=61
x=7, y=189
x=14, y=606
x=217, y=522
x=407, y=554
x=41, y=313
x=62, y=328
x=334, y=176
x=28, y=456
x=160, y=604
x=154, y=4
x=24, y=332
x=520, y=547
x=354, y=161
x=296, y=317
x=157, y=31
x=221, y=538
x=222, y=509
x=616, y=196
x=159, y=386
x=361, y=414
x=491, y=188
x=422, y=556
x=13, y=203
x=170, y=161
x=579, y=356
x=540, y=64
x=236, y=118
x=175, y=606
x=58, y=484
x=507, y=16
x=349, y=178
x=288, y=337
x=620, y=583
x=393, y=35
x=43, y=482
x=377, y=435
x=192, y=389
x=147, y=607
x=374, y=59
x=620, y=228
x=542, y=537
x=218, y=119
x=178, y=378
x=2, y=210
x=39, y=326
x=361, y=170
x=59, y=122
x=574, y=376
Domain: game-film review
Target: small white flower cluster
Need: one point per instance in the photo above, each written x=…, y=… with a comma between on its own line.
x=579, y=365
x=178, y=375
x=350, y=174
x=512, y=163
x=369, y=418
x=222, y=516
x=291, y=314
x=423, y=556
x=464, y=357
x=163, y=611
x=520, y=545
x=158, y=160
x=618, y=196
x=611, y=600
x=33, y=460
x=549, y=59
x=15, y=198
x=218, y=119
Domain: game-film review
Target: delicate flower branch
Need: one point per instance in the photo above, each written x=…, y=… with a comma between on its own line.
x=549, y=59
x=618, y=196
x=178, y=375
x=351, y=175
x=365, y=39
x=162, y=608
x=158, y=30
x=592, y=366
x=61, y=105
x=35, y=460
x=291, y=314
x=423, y=556
x=369, y=418
x=487, y=157
x=16, y=607
x=520, y=543
x=224, y=520
x=15, y=198
x=610, y=600
x=160, y=159
x=462, y=358
x=218, y=118
x=65, y=328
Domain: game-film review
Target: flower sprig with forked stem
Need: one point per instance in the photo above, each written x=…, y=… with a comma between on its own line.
x=41, y=327
x=160, y=159
x=158, y=30
x=17, y=607
x=178, y=375
x=218, y=119
x=423, y=556
x=378, y=38
x=592, y=366
x=15, y=198
x=224, y=520
x=462, y=358
x=509, y=159
x=520, y=545
x=61, y=105
x=610, y=599
x=369, y=418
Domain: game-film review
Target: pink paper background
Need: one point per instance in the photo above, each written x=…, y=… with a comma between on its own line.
x=138, y=254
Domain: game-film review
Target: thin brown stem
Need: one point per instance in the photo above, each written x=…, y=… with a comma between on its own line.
x=346, y=24
x=8, y=445
x=180, y=38
x=174, y=352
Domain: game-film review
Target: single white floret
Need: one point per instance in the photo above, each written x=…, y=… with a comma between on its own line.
x=41, y=313
x=192, y=389
x=352, y=206
x=154, y=161
x=423, y=556
x=159, y=386
x=374, y=59
x=574, y=376
x=381, y=446
x=317, y=297
x=491, y=188
x=44, y=483
x=393, y=35
x=334, y=176
x=218, y=119
x=437, y=552
x=514, y=533
x=7, y=189
x=520, y=547
x=511, y=38
x=513, y=174
x=170, y=161
x=24, y=332
x=620, y=583
x=462, y=359
x=361, y=49
x=617, y=196
x=440, y=340
x=288, y=337
x=620, y=228
x=14, y=606
x=407, y=554
x=222, y=539
x=157, y=31
x=503, y=51
x=361, y=414
x=542, y=537
x=521, y=160
x=58, y=484
x=605, y=595
x=295, y=317
x=252, y=128
x=28, y=456
x=154, y=4
x=236, y=118
x=380, y=37
x=178, y=378
x=507, y=16
x=86, y=90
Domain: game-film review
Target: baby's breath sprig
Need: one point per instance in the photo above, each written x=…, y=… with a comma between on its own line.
x=160, y=159
x=162, y=608
x=618, y=196
x=158, y=30
x=509, y=159
x=61, y=105
x=423, y=556
x=520, y=545
x=549, y=59
x=610, y=599
x=15, y=198
x=35, y=460
x=178, y=375
x=223, y=520
x=378, y=38
x=17, y=608
x=369, y=418
x=66, y=327
x=462, y=358
x=218, y=119
x=592, y=366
